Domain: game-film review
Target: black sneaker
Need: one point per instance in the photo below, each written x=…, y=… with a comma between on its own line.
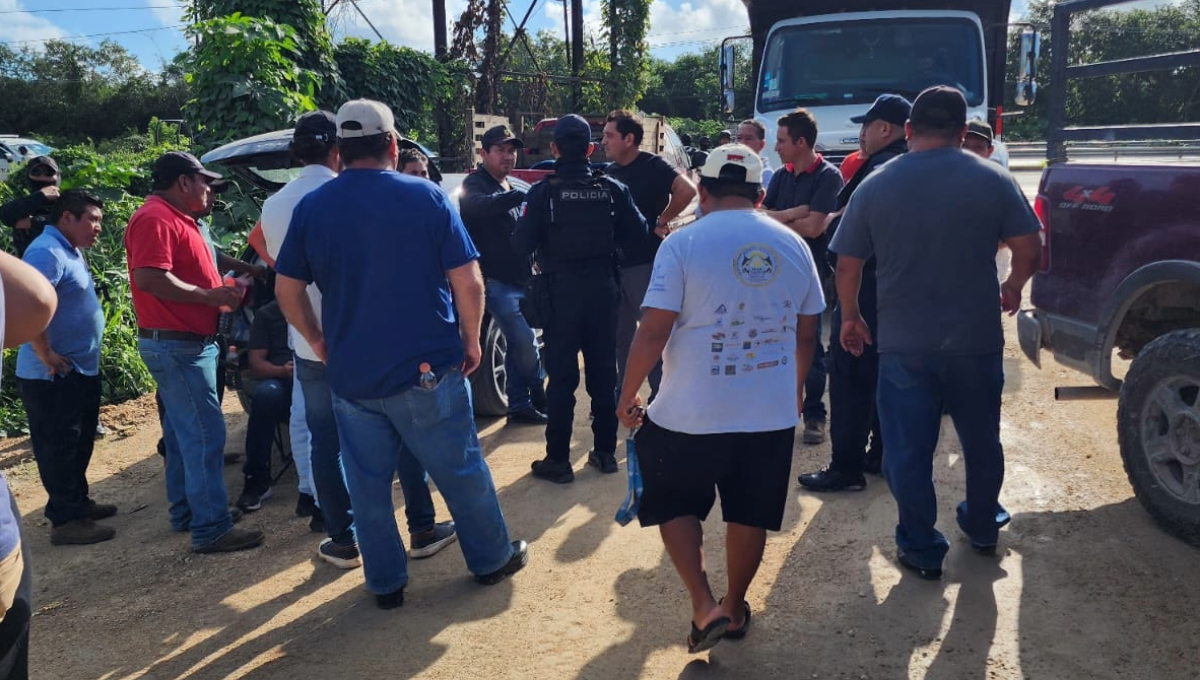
x=528, y=416
x=95, y=511
x=306, y=505
x=390, y=600
x=602, y=461
x=517, y=562
x=428, y=543
x=252, y=500
x=828, y=479
x=317, y=524
x=558, y=472
x=340, y=556
x=927, y=574
x=232, y=541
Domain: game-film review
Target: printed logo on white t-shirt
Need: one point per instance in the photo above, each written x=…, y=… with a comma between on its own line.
x=756, y=265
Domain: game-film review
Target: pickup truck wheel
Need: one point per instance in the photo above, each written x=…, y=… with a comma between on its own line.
x=1158, y=426
x=489, y=381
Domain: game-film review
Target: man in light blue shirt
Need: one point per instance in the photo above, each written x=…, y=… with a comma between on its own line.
x=58, y=372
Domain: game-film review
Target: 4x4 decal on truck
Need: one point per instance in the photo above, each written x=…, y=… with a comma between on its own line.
x=1083, y=198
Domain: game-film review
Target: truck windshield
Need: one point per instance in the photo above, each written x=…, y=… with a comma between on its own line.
x=854, y=62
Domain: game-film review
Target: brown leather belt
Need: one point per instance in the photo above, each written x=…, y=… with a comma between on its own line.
x=150, y=334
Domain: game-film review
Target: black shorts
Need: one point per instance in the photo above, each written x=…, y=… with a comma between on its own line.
x=682, y=473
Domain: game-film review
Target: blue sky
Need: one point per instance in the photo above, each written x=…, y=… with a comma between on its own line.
x=150, y=29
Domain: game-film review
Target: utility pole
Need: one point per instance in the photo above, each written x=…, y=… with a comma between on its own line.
x=439, y=30
x=577, y=49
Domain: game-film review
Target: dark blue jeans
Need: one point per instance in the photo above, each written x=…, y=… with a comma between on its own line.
x=270, y=401
x=62, y=417
x=813, y=409
x=328, y=475
x=914, y=390
x=522, y=367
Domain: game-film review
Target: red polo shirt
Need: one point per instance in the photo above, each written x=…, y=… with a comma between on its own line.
x=161, y=237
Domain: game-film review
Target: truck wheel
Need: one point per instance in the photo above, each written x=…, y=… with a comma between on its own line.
x=1158, y=426
x=488, y=382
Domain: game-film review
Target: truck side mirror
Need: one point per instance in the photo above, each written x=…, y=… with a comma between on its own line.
x=725, y=68
x=1029, y=51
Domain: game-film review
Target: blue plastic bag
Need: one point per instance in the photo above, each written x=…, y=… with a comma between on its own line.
x=633, y=497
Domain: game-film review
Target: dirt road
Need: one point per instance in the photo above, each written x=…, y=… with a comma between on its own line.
x=1085, y=586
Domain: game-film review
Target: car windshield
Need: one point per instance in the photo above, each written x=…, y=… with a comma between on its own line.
x=856, y=61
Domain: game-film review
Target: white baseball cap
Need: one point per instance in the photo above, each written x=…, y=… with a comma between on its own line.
x=734, y=162
x=364, y=118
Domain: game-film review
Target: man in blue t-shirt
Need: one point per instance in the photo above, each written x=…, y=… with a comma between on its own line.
x=58, y=372
x=931, y=219
x=390, y=254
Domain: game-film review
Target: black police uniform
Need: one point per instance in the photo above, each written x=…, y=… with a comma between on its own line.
x=576, y=220
x=852, y=380
x=35, y=206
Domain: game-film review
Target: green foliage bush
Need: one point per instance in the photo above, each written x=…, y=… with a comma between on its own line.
x=120, y=175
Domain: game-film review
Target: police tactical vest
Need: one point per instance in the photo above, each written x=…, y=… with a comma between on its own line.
x=582, y=215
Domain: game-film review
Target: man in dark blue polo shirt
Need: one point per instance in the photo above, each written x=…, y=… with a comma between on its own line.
x=801, y=194
x=397, y=363
x=490, y=207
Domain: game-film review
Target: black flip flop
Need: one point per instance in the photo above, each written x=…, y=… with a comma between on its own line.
x=702, y=640
x=740, y=632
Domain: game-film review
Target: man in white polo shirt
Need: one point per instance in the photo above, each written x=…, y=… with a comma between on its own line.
x=732, y=309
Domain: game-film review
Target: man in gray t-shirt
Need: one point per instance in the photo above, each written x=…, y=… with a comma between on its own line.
x=931, y=219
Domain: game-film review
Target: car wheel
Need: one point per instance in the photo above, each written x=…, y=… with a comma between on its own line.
x=489, y=381
x=1158, y=421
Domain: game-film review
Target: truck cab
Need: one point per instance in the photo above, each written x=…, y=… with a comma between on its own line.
x=834, y=59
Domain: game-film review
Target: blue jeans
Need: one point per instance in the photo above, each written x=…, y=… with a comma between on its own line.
x=438, y=427
x=913, y=392
x=328, y=475
x=269, y=404
x=813, y=409
x=521, y=364
x=194, y=435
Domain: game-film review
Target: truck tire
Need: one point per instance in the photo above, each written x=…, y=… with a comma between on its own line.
x=489, y=380
x=1158, y=427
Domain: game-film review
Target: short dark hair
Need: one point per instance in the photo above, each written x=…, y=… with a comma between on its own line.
x=311, y=150
x=759, y=128
x=412, y=156
x=935, y=131
x=74, y=201
x=628, y=124
x=800, y=124
x=355, y=149
x=720, y=188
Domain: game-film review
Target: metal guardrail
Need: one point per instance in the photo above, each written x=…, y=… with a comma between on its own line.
x=1180, y=150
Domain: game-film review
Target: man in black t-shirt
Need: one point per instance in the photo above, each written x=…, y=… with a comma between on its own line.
x=268, y=381
x=801, y=194
x=660, y=191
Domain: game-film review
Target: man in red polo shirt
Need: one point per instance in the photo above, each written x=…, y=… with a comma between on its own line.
x=177, y=293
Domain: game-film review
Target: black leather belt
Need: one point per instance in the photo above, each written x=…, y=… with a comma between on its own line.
x=150, y=334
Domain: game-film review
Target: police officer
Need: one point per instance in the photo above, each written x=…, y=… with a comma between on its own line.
x=577, y=220
x=852, y=380
x=28, y=216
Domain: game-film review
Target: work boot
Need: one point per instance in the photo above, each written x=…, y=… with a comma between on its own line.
x=555, y=471
x=95, y=510
x=603, y=461
x=83, y=531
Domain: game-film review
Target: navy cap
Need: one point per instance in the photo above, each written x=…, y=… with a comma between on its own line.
x=572, y=130
x=890, y=108
x=500, y=135
x=940, y=107
x=320, y=125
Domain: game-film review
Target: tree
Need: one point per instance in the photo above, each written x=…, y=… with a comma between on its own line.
x=628, y=51
x=688, y=87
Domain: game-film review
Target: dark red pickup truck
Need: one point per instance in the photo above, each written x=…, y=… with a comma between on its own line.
x=1120, y=281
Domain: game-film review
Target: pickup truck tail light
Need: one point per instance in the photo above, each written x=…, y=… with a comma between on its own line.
x=1041, y=208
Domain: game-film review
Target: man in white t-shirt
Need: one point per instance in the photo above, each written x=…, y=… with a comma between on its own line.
x=732, y=309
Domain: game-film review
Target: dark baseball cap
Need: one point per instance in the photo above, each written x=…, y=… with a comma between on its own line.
x=319, y=125
x=890, y=108
x=980, y=128
x=500, y=135
x=42, y=161
x=940, y=107
x=172, y=164
x=572, y=129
